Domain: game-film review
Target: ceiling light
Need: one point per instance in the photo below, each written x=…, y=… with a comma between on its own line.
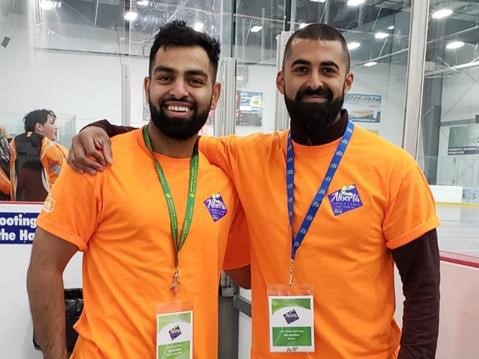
x=454, y=45
x=441, y=13
x=381, y=35
x=353, y=45
x=131, y=15
x=302, y=25
x=317, y=0
x=355, y=2
x=198, y=26
x=256, y=28
x=370, y=63
x=48, y=5
x=391, y=27
x=142, y=3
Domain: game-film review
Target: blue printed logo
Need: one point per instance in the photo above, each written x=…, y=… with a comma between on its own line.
x=174, y=332
x=216, y=206
x=291, y=316
x=344, y=200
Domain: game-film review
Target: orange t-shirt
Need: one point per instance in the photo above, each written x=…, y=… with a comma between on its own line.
x=344, y=258
x=119, y=219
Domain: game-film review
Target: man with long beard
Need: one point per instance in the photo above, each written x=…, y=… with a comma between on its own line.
x=330, y=207
x=153, y=229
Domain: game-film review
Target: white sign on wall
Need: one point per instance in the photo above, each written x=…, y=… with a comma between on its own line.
x=18, y=222
x=363, y=107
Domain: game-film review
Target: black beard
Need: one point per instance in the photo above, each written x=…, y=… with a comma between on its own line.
x=312, y=118
x=177, y=129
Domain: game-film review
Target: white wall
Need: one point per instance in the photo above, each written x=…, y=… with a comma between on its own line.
x=459, y=323
x=138, y=71
x=459, y=317
x=389, y=81
x=73, y=84
x=16, y=325
x=18, y=87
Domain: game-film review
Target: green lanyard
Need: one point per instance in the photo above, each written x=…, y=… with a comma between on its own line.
x=178, y=241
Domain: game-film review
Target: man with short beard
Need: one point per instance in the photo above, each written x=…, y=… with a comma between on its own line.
x=330, y=207
x=153, y=229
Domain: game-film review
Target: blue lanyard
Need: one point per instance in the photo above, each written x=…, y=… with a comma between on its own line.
x=318, y=198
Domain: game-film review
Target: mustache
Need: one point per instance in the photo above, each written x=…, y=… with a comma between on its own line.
x=320, y=91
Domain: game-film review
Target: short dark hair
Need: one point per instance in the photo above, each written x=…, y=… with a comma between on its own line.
x=320, y=31
x=177, y=33
x=36, y=116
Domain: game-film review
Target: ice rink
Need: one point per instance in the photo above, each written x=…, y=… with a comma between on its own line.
x=459, y=229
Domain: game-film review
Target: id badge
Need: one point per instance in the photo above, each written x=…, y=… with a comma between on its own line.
x=291, y=319
x=174, y=331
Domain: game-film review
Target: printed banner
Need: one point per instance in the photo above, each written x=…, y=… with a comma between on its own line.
x=18, y=222
x=363, y=108
x=249, y=106
x=463, y=140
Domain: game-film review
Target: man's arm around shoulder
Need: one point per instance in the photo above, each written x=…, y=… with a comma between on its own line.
x=91, y=147
x=50, y=256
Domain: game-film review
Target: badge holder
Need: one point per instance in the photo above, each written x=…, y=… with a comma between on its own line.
x=174, y=330
x=291, y=318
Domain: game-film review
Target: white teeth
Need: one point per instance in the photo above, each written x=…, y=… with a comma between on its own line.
x=178, y=108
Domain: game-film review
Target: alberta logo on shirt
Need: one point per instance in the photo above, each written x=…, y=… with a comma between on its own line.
x=216, y=206
x=345, y=199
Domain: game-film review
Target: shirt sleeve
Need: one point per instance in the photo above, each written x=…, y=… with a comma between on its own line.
x=411, y=211
x=237, y=250
x=220, y=152
x=73, y=207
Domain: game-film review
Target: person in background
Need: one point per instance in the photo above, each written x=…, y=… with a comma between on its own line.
x=4, y=166
x=153, y=229
x=330, y=208
x=35, y=158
